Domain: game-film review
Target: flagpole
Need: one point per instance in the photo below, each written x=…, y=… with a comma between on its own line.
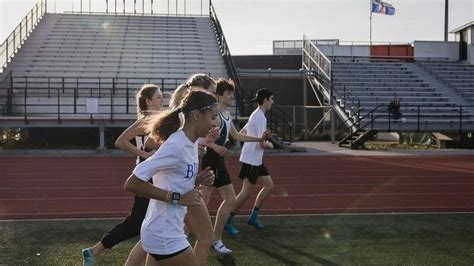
x=370, y=10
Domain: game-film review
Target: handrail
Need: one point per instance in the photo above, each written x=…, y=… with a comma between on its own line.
x=225, y=51
x=321, y=62
x=131, y=14
x=359, y=119
x=20, y=33
x=346, y=99
x=281, y=119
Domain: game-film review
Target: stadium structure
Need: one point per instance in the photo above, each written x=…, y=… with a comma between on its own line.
x=81, y=70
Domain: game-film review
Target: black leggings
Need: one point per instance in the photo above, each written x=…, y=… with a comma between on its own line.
x=130, y=226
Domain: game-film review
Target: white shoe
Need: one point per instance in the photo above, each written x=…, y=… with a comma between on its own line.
x=220, y=247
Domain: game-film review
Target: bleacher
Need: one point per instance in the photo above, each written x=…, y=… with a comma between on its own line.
x=371, y=84
x=70, y=57
x=457, y=75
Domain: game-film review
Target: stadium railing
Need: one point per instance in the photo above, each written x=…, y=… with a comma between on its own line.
x=15, y=39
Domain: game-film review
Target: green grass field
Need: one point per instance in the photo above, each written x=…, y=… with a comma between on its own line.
x=425, y=239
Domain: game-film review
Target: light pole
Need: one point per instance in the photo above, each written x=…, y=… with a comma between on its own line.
x=446, y=14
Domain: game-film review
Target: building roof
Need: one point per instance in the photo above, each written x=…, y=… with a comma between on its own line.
x=458, y=29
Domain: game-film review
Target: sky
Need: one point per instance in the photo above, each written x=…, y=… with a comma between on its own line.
x=250, y=26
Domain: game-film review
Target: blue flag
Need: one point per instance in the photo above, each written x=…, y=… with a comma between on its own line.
x=383, y=8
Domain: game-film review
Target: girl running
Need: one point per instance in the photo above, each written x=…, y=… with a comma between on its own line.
x=149, y=100
x=174, y=169
x=197, y=220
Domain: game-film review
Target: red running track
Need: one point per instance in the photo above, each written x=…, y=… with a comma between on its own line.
x=76, y=187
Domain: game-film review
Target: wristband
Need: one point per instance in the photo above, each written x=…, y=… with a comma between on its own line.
x=175, y=197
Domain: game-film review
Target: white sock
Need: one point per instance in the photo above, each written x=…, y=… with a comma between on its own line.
x=220, y=247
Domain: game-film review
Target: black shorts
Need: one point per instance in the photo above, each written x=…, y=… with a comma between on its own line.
x=252, y=172
x=163, y=257
x=217, y=164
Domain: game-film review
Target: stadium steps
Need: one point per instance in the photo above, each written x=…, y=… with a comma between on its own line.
x=456, y=76
x=144, y=49
x=357, y=139
x=370, y=84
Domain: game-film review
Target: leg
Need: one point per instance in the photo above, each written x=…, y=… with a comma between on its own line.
x=228, y=204
x=228, y=194
x=136, y=256
x=199, y=222
x=244, y=194
x=128, y=228
x=206, y=193
x=267, y=183
x=186, y=258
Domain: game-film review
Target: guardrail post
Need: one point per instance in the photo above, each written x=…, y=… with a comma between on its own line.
x=344, y=96
x=113, y=87
x=294, y=118
x=75, y=94
x=59, y=103
x=111, y=109
x=389, y=121
x=14, y=43
x=127, y=96
x=25, y=99
x=372, y=120
x=101, y=138
x=10, y=96
x=49, y=87
x=6, y=51
x=418, y=119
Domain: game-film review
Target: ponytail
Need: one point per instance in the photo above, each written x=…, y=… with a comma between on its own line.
x=162, y=125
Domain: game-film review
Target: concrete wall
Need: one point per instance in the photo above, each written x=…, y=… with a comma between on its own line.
x=287, y=51
x=330, y=50
x=345, y=50
x=471, y=34
x=437, y=49
x=470, y=54
x=268, y=61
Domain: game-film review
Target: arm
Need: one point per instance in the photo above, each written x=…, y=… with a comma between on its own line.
x=151, y=144
x=244, y=129
x=244, y=137
x=123, y=141
x=209, y=142
x=166, y=158
x=147, y=190
x=266, y=145
x=221, y=150
x=261, y=126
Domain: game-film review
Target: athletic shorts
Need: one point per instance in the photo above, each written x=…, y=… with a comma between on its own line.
x=162, y=257
x=252, y=172
x=217, y=164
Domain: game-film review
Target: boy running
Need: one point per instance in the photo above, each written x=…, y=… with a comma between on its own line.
x=253, y=169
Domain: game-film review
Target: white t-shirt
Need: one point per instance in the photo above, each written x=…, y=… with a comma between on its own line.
x=252, y=153
x=174, y=168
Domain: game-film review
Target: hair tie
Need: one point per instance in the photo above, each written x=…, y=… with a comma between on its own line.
x=178, y=110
